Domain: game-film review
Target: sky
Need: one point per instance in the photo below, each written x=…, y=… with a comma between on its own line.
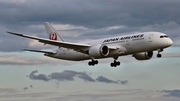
x=26, y=76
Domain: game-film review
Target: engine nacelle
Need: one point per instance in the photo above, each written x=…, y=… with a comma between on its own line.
x=143, y=55
x=98, y=51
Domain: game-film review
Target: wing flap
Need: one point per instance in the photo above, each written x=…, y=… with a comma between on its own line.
x=39, y=51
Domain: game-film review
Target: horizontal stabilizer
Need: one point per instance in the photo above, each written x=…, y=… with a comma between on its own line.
x=39, y=51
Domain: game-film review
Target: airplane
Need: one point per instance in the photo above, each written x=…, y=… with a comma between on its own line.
x=139, y=45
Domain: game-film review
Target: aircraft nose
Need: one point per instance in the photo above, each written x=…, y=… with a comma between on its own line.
x=170, y=42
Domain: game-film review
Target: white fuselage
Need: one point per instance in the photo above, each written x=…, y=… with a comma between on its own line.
x=126, y=45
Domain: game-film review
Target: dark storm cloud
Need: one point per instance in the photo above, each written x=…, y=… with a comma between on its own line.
x=70, y=75
x=172, y=93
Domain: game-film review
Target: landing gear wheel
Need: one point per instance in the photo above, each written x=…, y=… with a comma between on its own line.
x=90, y=63
x=114, y=64
x=159, y=55
x=93, y=62
x=118, y=63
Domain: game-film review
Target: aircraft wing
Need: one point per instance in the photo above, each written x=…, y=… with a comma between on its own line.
x=75, y=46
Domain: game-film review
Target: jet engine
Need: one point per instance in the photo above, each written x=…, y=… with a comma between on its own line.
x=98, y=51
x=143, y=55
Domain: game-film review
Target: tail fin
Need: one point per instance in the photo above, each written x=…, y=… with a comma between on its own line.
x=53, y=35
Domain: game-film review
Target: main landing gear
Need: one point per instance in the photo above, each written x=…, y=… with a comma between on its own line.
x=159, y=55
x=93, y=62
x=115, y=63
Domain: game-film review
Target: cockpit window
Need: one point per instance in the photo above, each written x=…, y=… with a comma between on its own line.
x=163, y=36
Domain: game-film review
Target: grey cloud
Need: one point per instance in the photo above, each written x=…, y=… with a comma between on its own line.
x=38, y=77
x=135, y=15
x=104, y=79
x=93, y=13
x=66, y=75
x=19, y=59
x=13, y=44
x=86, y=77
x=123, y=82
x=172, y=93
x=70, y=75
x=62, y=76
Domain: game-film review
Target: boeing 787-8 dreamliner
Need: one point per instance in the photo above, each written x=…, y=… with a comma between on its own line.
x=140, y=46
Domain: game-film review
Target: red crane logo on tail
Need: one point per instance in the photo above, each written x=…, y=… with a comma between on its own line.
x=53, y=36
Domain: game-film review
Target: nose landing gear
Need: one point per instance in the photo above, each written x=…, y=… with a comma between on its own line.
x=159, y=55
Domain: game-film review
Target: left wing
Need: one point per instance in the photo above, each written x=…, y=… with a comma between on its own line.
x=69, y=45
x=75, y=46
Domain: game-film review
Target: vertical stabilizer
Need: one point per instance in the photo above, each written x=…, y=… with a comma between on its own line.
x=51, y=32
